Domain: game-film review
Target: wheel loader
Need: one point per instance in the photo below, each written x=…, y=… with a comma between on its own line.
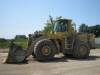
x=61, y=38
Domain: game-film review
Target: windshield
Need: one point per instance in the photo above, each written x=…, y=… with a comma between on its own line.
x=60, y=27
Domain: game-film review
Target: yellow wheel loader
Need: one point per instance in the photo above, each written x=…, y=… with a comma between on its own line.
x=62, y=38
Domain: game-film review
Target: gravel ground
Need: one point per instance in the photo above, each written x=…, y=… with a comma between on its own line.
x=59, y=66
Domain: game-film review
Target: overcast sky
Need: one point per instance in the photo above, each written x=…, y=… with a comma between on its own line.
x=27, y=16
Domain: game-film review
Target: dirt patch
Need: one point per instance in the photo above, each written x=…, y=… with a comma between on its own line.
x=4, y=50
x=59, y=66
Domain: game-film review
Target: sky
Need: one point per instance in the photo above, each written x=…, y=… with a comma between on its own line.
x=22, y=17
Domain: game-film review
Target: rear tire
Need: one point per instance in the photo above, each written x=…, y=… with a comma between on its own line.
x=81, y=50
x=44, y=50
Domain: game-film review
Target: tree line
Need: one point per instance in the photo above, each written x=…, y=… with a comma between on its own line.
x=95, y=29
x=20, y=39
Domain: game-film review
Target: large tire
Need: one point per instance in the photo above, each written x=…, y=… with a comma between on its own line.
x=31, y=48
x=34, y=42
x=81, y=50
x=44, y=50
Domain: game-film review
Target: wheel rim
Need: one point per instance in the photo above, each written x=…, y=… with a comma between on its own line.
x=46, y=50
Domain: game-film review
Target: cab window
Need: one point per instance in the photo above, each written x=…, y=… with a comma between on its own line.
x=60, y=27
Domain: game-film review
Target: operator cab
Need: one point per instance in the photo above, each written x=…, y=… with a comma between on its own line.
x=60, y=26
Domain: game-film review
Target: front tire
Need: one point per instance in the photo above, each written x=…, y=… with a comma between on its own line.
x=44, y=50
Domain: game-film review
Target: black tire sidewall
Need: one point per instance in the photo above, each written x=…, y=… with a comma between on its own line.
x=39, y=45
x=76, y=50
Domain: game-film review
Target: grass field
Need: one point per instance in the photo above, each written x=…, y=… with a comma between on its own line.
x=21, y=41
x=4, y=44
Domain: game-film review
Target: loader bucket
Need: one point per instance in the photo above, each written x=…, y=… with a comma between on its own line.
x=16, y=54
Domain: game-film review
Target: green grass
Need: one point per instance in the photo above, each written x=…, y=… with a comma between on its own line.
x=20, y=41
x=4, y=44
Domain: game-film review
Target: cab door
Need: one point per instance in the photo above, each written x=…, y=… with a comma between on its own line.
x=60, y=30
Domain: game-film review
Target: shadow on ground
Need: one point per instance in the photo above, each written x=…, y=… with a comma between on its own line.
x=91, y=58
x=65, y=59
x=60, y=59
x=56, y=59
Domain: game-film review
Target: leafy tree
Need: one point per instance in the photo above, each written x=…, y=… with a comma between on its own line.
x=50, y=24
x=48, y=27
x=20, y=37
x=3, y=40
x=95, y=30
x=4, y=43
x=83, y=28
x=90, y=29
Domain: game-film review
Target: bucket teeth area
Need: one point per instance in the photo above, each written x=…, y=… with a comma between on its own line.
x=16, y=54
